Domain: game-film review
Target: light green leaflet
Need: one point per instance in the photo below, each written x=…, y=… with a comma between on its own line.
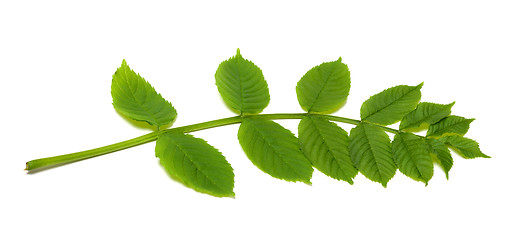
x=327, y=147
x=371, y=152
x=451, y=125
x=441, y=154
x=242, y=85
x=466, y=147
x=137, y=99
x=324, y=88
x=195, y=163
x=412, y=156
x=390, y=105
x=426, y=113
x=274, y=150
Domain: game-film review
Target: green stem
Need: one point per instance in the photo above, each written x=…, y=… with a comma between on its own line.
x=50, y=162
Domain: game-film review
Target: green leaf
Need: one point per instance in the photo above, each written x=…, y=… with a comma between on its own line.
x=390, y=105
x=451, y=125
x=195, y=163
x=465, y=147
x=371, y=152
x=411, y=155
x=324, y=88
x=426, y=113
x=242, y=85
x=327, y=147
x=441, y=154
x=137, y=99
x=274, y=150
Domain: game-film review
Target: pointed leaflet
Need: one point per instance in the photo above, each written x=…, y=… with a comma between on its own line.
x=371, y=151
x=425, y=113
x=390, y=105
x=466, y=147
x=451, y=125
x=242, y=85
x=195, y=163
x=325, y=87
x=137, y=99
x=441, y=154
x=327, y=147
x=411, y=155
x=274, y=150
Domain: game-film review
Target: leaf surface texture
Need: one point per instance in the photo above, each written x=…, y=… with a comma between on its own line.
x=441, y=153
x=451, y=125
x=371, y=152
x=242, y=85
x=274, y=150
x=195, y=163
x=325, y=87
x=425, y=114
x=326, y=146
x=137, y=99
x=411, y=155
x=390, y=105
x=466, y=147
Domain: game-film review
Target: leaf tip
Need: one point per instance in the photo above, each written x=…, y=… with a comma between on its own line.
x=238, y=52
x=124, y=63
x=420, y=85
x=339, y=59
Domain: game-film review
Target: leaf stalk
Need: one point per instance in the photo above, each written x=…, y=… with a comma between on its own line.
x=56, y=161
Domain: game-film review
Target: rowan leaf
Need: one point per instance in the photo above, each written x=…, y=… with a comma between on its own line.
x=371, y=152
x=441, y=153
x=465, y=147
x=411, y=155
x=324, y=88
x=390, y=105
x=195, y=163
x=242, y=85
x=137, y=99
x=425, y=114
x=326, y=145
x=274, y=149
x=451, y=125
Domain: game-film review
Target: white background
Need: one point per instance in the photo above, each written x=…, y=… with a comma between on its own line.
x=56, y=63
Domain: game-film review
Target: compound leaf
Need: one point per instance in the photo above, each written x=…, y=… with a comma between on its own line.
x=195, y=163
x=274, y=150
x=465, y=147
x=324, y=88
x=326, y=145
x=137, y=99
x=371, y=152
x=390, y=105
x=451, y=125
x=242, y=85
x=411, y=155
x=426, y=113
x=441, y=153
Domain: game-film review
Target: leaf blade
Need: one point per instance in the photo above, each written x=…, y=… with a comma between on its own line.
x=274, y=150
x=425, y=113
x=441, y=153
x=370, y=150
x=242, y=85
x=195, y=163
x=324, y=88
x=411, y=155
x=326, y=146
x=465, y=147
x=390, y=105
x=451, y=125
x=135, y=98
